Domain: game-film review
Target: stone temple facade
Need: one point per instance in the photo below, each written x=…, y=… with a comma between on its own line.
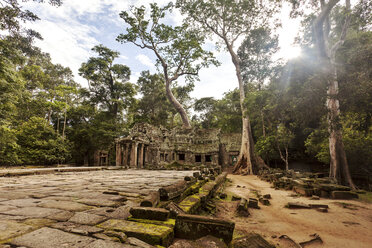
x=147, y=147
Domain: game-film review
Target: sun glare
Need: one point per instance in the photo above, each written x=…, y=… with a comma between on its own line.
x=291, y=52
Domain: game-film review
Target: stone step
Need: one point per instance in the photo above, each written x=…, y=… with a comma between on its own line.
x=149, y=213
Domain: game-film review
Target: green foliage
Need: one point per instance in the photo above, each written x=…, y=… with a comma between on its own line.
x=39, y=143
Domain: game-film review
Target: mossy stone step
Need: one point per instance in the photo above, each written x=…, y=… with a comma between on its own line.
x=149, y=233
x=168, y=222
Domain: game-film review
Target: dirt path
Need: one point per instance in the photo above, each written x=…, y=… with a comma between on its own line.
x=340, y=227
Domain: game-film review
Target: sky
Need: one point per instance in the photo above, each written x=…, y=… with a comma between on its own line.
x=70, y=32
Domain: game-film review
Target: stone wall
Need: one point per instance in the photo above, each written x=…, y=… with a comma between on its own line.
x=147, y=146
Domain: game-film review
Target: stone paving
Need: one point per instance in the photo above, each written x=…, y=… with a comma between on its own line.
x=62, y=209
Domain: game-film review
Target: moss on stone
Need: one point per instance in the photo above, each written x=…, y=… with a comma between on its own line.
x=191, y=203
x=169, y=222
x=149, y=233
x=38, y=223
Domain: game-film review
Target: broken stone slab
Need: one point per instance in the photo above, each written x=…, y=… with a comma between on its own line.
x=315, y=240
x=252, y=240
x=64, y=205
x=120, y=213
x=297, y=205
x=149, y=213
x=87, y=219
x=344, y=195
x=151, y=200
x=195, y=226
x=333, y=187
x=10, y=229
x=149, y=233
x=47, y=237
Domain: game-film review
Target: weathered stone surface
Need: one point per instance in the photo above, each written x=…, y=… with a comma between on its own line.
x=38, y=223
x=10, y=229
x=87, y=219
x=76, y=228
x=251, y=241
x=48, y=237
x=149, y=213
x=108, y=244
x=99, y=202
x=210, y=242
x=191, y=204
x=344, y=195
x=318, y=205
x=64, y=205
x=242, y=208
x=172, y=191
x=35, y=212
x=120, y=213
x=149, y=233
x=138, y=243
x=62, y=216
x=195, y=226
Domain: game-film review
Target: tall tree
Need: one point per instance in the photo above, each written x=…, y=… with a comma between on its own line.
x=339, y=168
x=109, y=88
x=177, y=48
x=229, y=20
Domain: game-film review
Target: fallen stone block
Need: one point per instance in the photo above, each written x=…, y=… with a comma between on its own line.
x=251, y=241
x=253, y=203
x=264, y=201
x=195, y=226
x=149, y=213
x=344, y=195
x=267, y=196
x=149, y=233
x=323, y=210
x=242, y=208
x=297, y=205
x=151, y=200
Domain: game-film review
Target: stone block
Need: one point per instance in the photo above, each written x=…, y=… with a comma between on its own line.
x=174, y=210
x=9, y=229
x=195, y=226
x=303, y=191
x=149, y=213
x=191, y=204
x=344, y=195
x=253, y=203
x=149, y=233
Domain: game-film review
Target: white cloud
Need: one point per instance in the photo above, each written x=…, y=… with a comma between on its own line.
x=145, y=60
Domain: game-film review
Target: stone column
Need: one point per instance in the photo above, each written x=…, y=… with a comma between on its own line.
x=140, y=161
x=118, y=155
x=133, y=155
x=125, y=155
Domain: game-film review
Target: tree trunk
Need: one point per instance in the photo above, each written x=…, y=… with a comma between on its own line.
x=247, y=162
x=177, y=106
x=339, y=168
x=64, y=124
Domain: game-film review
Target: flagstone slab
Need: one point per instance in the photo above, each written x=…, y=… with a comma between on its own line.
x=34, y=212
x=47, y=237
x=10, y=229
x=64, y=205
x=87, y=219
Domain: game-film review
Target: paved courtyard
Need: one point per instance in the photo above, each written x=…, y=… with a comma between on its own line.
x=61, y=209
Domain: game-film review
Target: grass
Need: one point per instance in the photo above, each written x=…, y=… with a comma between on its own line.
x=366, y=197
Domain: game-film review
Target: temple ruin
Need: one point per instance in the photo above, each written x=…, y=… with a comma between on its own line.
x=149, y=147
